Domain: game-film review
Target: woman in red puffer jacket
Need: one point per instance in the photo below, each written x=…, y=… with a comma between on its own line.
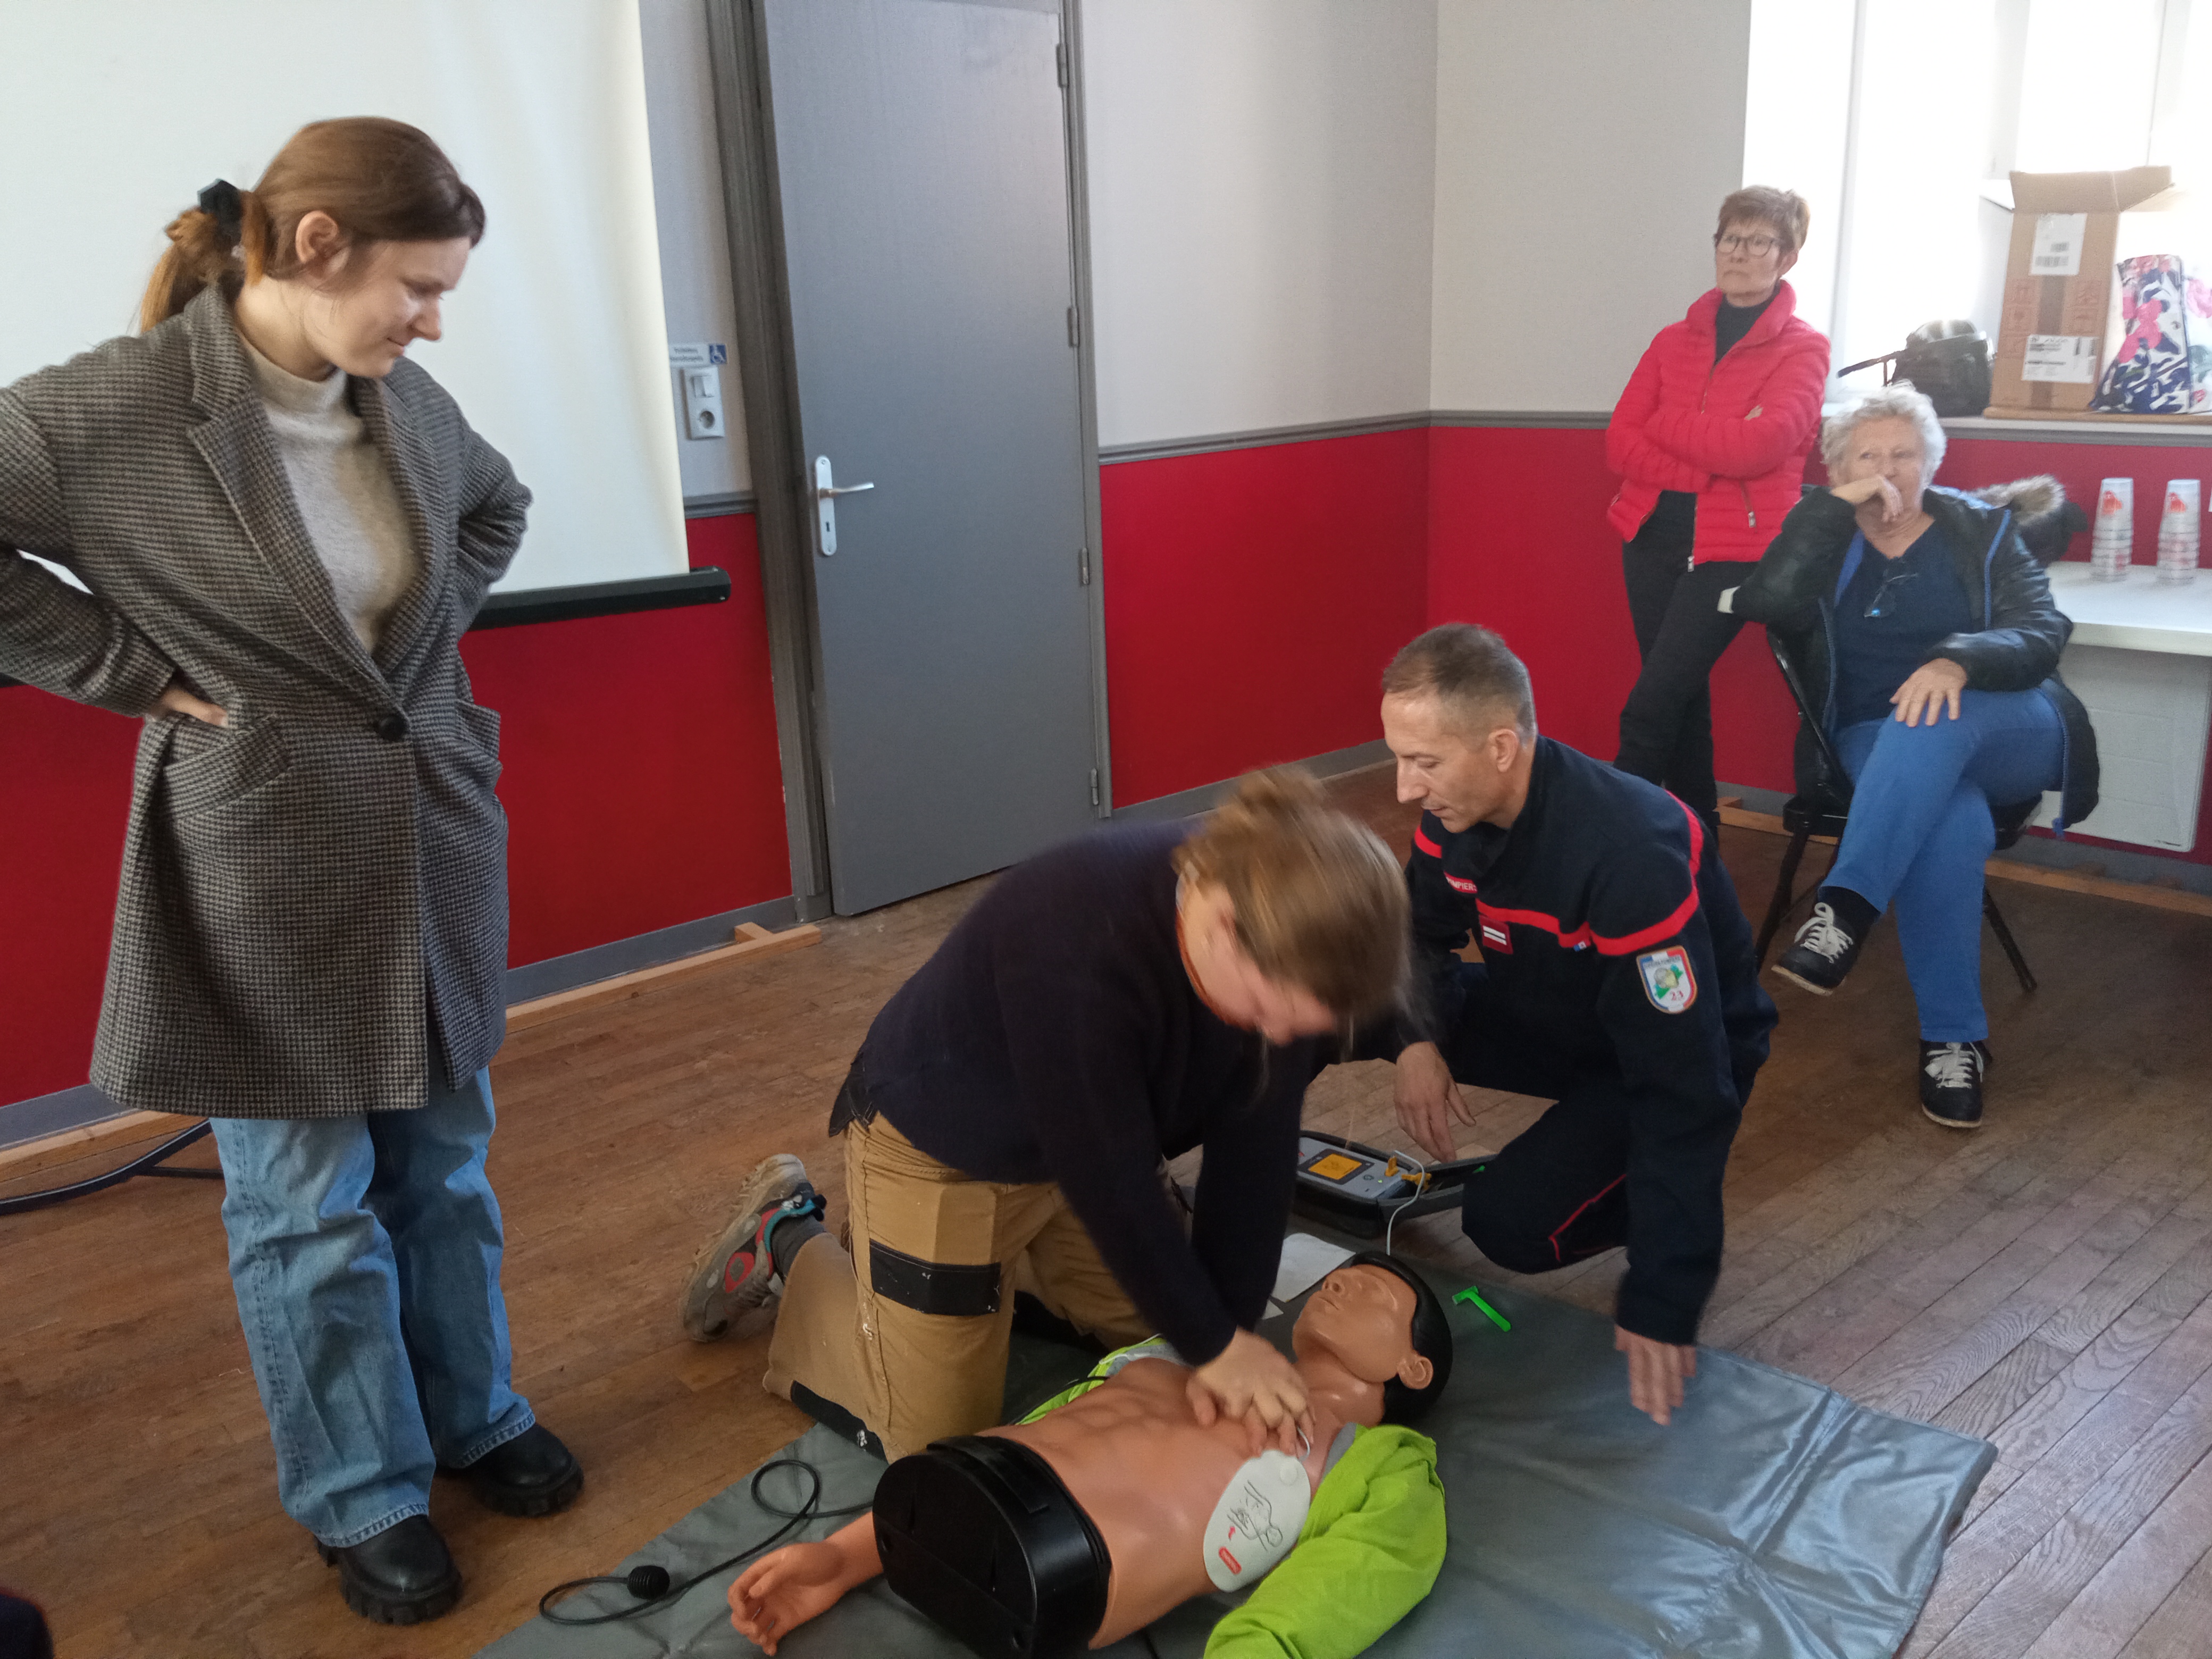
x=1709, y=441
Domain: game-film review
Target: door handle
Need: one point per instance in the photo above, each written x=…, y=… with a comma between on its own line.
x=826, y=492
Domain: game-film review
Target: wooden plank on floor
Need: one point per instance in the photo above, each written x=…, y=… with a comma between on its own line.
x=146, y=1517
x=1931, y=1360
x=2061, y=1562
x=130, y=1131
x=752, y=941
x=1984, y=1560
x=2158, y=1555
x=2181, y=1628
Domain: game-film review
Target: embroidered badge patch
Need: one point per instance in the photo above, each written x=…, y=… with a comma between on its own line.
x=1668, y=979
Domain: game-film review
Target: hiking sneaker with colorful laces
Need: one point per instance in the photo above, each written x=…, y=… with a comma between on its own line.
x=1951, y=1076
x=736, y=1272
x=1825, y=949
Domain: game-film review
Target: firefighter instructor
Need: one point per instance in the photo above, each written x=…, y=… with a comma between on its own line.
x=1617, y=979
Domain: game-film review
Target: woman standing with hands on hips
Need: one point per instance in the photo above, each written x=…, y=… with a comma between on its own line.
x=1710, y=440
x=285, y=527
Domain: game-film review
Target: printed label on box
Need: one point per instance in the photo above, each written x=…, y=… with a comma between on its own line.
x=2057, y=250
x=2068, y=357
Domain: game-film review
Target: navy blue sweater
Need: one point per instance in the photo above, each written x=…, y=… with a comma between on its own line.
x=1054, y=1036
x=1612, y=933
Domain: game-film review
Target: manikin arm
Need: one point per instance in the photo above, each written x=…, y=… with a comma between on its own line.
x=782, y=1591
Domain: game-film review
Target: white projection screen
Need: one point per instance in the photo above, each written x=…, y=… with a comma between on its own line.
x=114, y=113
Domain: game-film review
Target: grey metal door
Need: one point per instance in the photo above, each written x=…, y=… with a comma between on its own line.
x=921, y=166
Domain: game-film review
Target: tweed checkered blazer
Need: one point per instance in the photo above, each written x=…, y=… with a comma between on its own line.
x=299, y=889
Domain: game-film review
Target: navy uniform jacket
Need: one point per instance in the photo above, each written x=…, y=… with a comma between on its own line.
x=1614, y=943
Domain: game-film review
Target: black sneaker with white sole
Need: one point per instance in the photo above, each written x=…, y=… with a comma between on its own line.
x=1951, y=1076
x=1825, y=949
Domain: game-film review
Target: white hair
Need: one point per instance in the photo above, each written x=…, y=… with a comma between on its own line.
x=1898, y=401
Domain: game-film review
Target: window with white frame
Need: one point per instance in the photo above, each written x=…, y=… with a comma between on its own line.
x=1900, y=121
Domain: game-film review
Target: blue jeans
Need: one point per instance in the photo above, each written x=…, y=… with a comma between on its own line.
x=1920, y=831
x=365, y=1252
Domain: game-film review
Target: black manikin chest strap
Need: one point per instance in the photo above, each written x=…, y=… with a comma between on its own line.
x=978, y=1532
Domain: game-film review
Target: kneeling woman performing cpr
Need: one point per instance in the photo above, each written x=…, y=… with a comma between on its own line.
x=1113, y=1002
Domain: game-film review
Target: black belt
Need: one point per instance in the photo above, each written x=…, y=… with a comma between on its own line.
x=979, y=1533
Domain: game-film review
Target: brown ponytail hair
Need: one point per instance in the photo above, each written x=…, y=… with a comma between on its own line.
x=1319, y=901
x=383, y=181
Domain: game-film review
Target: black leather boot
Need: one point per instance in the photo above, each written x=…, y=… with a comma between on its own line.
x=401, y=1576
x=533, y=1473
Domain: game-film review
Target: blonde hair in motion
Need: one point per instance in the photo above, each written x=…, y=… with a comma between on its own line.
x=1319, y=901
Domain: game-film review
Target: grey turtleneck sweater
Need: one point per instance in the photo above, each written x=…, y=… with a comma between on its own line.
x=344, y=493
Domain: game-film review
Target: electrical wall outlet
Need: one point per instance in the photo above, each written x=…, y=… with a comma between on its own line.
x=702, y=403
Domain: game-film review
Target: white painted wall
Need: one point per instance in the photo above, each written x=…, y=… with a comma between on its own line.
x=1583, y=149
x=1262, y=193
x=1797, y=123
x=1305, y=211
x=695, y=250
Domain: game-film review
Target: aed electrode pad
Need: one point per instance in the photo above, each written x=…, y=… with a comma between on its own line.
x=1261, y=1514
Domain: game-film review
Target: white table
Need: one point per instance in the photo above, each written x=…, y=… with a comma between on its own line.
x=2141, y=661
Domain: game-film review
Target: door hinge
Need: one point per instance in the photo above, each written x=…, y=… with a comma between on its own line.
x=1094, y=785
x=1083, y=567
x=1059, y=61
x=1074, y=327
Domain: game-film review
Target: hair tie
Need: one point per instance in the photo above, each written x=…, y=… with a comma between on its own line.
x=220, y=201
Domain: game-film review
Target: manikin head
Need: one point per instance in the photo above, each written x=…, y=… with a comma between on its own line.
x=1382, y=1323
x=1462, y=724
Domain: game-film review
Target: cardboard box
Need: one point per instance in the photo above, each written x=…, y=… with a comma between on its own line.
x=2058, y=284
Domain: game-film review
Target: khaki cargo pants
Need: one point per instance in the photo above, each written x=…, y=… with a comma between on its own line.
x=908, y=1333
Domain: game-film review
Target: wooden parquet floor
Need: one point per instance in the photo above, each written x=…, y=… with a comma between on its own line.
x=2046, y=1282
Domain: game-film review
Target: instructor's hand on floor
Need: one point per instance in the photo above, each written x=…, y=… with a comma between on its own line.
x=1250, y=1379
x=1656, y=1371
x=1428, y=1100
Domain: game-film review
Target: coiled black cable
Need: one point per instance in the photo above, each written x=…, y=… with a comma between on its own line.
x=651, y=1584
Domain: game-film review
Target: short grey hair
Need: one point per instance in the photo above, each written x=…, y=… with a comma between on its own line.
x=1898, y=401
x=1470, y=671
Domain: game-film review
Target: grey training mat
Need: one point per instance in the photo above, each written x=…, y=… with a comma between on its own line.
x=1774, y=1519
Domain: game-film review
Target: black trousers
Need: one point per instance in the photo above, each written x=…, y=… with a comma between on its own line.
x=1667, y=725
x=1558, y=1192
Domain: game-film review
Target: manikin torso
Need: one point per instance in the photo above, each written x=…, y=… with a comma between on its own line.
x=1133, y=1454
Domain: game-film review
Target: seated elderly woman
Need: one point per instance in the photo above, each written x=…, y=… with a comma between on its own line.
x=1924, y=631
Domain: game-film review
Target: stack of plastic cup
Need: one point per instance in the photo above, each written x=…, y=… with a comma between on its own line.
x=2177, y=530
x=2112, y=544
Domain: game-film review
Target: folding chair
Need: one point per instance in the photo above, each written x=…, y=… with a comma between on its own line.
x=1821, y=813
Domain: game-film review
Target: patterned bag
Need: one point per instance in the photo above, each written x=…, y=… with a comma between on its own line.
x=2199, y=326
x=2150, y=374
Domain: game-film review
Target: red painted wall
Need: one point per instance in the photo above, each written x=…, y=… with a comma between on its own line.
x=1253, y=597
x=642, y=789
x=1518, y=542
x=642, y=785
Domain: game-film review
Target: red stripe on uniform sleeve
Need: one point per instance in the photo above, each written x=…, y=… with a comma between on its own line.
x=1423, y=844
x=1674, y=923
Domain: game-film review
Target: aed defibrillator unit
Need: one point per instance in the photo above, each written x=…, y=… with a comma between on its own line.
x=1360, y=1189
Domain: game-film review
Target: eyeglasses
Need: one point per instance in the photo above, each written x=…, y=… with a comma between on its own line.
x=1731, y=242
x=1892, y=580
